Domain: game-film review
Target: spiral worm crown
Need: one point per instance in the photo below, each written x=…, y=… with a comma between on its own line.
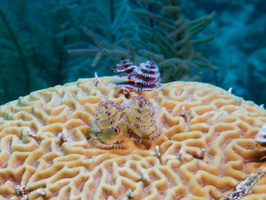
x=117, y=124
x=144, y=77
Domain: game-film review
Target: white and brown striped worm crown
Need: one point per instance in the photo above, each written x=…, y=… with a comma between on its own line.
x=144, y=77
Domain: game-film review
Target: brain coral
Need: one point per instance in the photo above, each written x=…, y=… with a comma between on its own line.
x=203, y=152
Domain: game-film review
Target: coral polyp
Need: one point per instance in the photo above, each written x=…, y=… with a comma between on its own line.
x=144, y=77
x=142, y=119
x=117, y=125
x=260, y=141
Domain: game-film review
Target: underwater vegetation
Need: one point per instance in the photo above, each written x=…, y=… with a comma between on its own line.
x=167, y=38
x=239, y=47
x=36, y=38
x=32, y=47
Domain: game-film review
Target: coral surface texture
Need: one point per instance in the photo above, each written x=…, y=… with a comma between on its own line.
x=204, y=150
